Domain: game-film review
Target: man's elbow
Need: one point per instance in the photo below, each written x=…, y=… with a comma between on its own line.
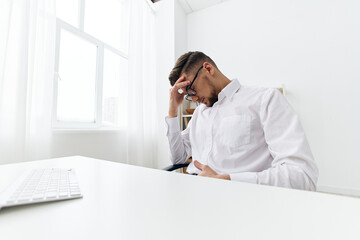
x=301, y=180
x=178, y=159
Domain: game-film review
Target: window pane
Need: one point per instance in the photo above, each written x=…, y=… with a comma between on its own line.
x=114, y=89
x=76, y=86
x=68, y=11
x=108, y=20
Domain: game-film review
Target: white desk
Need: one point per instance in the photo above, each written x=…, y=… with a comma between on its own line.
x=127, y=202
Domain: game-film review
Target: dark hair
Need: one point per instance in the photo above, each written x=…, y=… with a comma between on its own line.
x=187, y=63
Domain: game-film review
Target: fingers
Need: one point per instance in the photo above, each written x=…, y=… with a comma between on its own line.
x=181, y=83
x=198, y=165
x=206, y=171
x=180, y=79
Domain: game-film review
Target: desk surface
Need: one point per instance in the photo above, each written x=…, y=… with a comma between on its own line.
x=128, y=202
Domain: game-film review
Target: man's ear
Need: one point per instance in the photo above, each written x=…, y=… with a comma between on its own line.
x=209, y=68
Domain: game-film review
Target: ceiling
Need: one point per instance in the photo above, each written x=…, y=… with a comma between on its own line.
x=195, y=5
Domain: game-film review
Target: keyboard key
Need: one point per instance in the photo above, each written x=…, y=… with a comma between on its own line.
x=38, y=198
x=25, y=200
x=73, y=194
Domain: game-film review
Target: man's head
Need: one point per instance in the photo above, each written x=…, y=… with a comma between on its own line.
x=206, y=85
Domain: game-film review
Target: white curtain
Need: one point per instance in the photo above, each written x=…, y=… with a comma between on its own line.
x=27, y=32
x=27, y=49
x=142, y=112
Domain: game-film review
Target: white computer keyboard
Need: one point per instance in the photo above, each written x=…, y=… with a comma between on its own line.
x=42, y=185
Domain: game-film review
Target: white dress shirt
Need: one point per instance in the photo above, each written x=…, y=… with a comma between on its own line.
x=250, y=133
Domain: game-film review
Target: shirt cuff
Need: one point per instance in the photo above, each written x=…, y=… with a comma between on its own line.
x=172, y=125
x=249, y=177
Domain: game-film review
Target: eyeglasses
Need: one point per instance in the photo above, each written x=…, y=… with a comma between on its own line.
x=190, y=91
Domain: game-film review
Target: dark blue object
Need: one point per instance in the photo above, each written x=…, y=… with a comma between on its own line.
x=176, y=166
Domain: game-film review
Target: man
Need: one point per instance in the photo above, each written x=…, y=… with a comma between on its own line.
x=239, y=133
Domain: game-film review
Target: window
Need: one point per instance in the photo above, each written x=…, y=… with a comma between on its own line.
x=91, y=63
x=111, y=11
x=114, y=100
x=76, y=87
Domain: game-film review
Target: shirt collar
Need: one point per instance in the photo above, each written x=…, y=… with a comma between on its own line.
x=229, y=90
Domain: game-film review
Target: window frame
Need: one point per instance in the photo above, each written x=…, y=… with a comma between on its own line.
x=79, y=32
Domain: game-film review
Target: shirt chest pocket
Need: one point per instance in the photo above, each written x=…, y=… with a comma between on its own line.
x=235, y=130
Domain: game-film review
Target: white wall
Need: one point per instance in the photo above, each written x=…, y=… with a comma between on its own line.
x=180, y=31
x=107, y=145
x=310, y=46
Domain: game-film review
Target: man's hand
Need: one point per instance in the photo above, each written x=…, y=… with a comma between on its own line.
x=206, y=171
x=177, y=98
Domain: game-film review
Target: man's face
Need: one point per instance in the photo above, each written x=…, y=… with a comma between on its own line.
x=205, y=90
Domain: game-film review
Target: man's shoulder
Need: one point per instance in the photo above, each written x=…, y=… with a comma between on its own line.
x=255, y=91
x=201, y=107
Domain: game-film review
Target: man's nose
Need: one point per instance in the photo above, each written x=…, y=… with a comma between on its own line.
x=194, y=98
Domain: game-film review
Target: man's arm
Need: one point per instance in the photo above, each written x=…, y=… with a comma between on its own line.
x=276, y=176
x=179, y=142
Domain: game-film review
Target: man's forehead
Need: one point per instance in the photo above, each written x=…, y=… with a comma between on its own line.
x=188, y=76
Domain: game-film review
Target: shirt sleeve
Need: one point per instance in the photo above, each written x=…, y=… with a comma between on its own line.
x=293, y=164
x=179, y=142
